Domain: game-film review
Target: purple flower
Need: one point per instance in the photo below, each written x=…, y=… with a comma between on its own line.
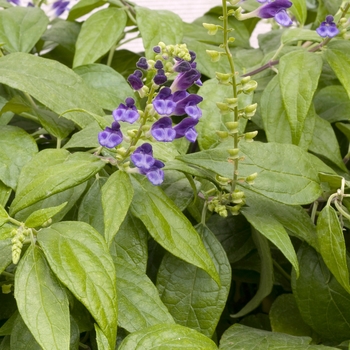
x=135, y=80
x=328, y=28
x=187, y=104
x=163, y=103
x=186, y=79
x=160, y=78
x=126, y=112
x=162, y=130
x=142, y=63
x=59, y=7
x=276, y=10
x=149, y=166
x=182, y=66
x=157, y=49
x=158, y=65
x=110, y=137
x=186, y=128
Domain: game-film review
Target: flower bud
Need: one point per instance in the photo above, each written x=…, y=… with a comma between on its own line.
x=250, y=110
x=250, y=179
x=222, y=134
x=249, y=136
x=233, y=153
x=232, y=126
x=245, y=80
x=237, y=197
x=235, y=210
x=224, y=108
x=6, y=288
x=212, y=28
x=214, y=55
x=223, y=78
x=232, y=102
x=249, y=87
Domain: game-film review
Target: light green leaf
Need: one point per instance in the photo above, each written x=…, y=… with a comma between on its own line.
x=167, y=336
x=276, y=124
x=299, y=34
x=299, y=72
x=51, y=83
x=83, y=7
x=5, y=246
x=205, y=300
x=286, y=173
x=139, y=305
x=117, y=195
x=68, y=172
x=22, y=27
x=80, y=259
x=332, y=246
x=285, y=317
x=240, y=337
x=85, y=138
x=102, y=341
x=169, y=227
x=39, y=217
x=3, y=215
x=156, y=26
x=5, y=193
x=323, y=303
x=266, y=274
x=17, y=149
x=299, y=10
x=325, y=144
x=338, y=57
x=110, y=87
x=98, y=34
x=46, y=315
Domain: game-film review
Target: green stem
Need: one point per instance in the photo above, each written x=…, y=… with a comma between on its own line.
x=281, y=270
x=234, y=89
x=204, y=213
x=14, y=221
x=8, y=274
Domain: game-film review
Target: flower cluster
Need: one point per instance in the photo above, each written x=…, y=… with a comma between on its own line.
x=328, y=28
x=172, y=62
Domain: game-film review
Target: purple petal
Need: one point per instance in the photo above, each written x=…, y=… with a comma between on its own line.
x=270, y=10
x=162, y=130
x=184, y=127
x=184, y=80
x=110, y=137
x=283, y=19
x=156, y=177
x=157, y=49
x=164, y=107
x=142, y=161
x=135, y=80
x=142, y=63
x=191, y=135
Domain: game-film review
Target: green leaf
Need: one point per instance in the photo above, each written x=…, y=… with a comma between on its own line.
x=51, y=83
x=169, y=227
x=90, y=207
x=285, y=317
x=131, y=243
x=22, y=27
x=332, y=246
x=325, y=144
x=22, y=338
x=5, y=246
x=80, y=259
x=17, y=149
x=85, y=138
x=69, y=171
x=139, y=305
x=205, y=301
x=39, y=217
x=46, y=315
x=98, y=34
x=110, y=87
x=3, y=215
x=291, y=182
x=299, y=72
x=299, y=34
x=83, y=7
x=266, y=274
x=156, y=26
x=299, y=10
x=102, y=341
x=332, y=104
x=117, y=194
x=167, y=336
x=240, y=337
x=276, y=124
x=338, y=57
x=323, y=303
x=5, y=193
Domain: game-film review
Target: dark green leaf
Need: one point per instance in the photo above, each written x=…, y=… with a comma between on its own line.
x=98, y=34
x=53, y=84
x=69, y=170
x=323, y=303
x=79, y=257
x=167, y=336
x=46, y=315
x=156, y=26
x=17, y=149
x=299, y=72
x=22, y=27
x=139, y=305
x=266, y=274
x=169, y=227
x=205, y=300
x=117, y=194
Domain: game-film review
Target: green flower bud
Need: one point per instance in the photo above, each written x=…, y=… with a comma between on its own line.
x=6, y=288
x=233, y=153
x=249, y=87
x=214, y=55
x=232, y=126
x=250, y=179
x=224, y=78
x=237, y=197
x=212, y=28
x=222, y=134
x=245, y=80
x=224, y=108
x=250, y=110
x=235, y=210
x=249, y=136
x=232, y=102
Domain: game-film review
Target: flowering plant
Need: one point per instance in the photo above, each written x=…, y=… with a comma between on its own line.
x=194, y=195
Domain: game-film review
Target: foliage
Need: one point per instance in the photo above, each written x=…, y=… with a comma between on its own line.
x=191, y=196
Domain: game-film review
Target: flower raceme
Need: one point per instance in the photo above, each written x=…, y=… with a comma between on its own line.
x=328, y=28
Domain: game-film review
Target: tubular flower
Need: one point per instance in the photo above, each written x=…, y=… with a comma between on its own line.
x=135, y=80
x=186, y=128
x=162, y=130
x=185, y=80
x=142, y=63
x=126, y=112
x=328, y=28
x=187, y=104
x=110, y=137
x=163, y=103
